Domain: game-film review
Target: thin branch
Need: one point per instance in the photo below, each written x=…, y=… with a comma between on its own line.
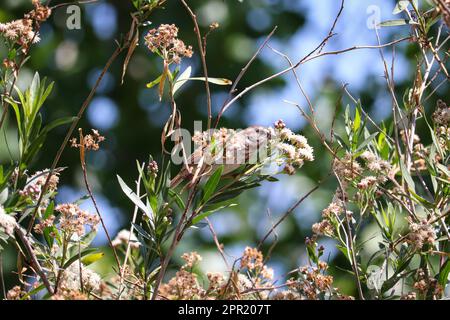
x=289, y=212
x=94, y=201
x=243, y=71
x=203, y=58
x=34, y=261
x=331, y=32
x=72, y=128
x=217, y=243
x=308, y=58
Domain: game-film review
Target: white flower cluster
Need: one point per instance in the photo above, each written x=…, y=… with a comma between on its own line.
x=7, y=222
x=123, y=237
x=36, y=182
x=293, y=148
x=71, y=278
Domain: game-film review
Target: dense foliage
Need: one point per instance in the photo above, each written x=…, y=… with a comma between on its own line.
x=389, y=178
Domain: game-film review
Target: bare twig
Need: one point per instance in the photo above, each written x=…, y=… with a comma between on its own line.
x=33, y=260
x=241, y=74
x=94, y=201
x=308, y=58
x=331, y=32
x=201, y=47
x=290, y=211
x=217, y=243
x=72, y=128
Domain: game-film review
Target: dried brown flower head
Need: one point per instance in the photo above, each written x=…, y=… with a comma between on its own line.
x=36, y=182
x=22, y=31
x=420, y=234
x=16, y=293
x=252, y=259
x=89, y=141
x=164, y=41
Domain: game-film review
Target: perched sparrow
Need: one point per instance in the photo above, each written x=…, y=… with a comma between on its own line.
x=225, y=147
x=275, y=145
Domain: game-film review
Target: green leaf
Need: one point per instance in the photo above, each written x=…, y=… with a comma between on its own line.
x=33, y=94
x=154, y=82
x=393, y=23
x=76, y=256
x=18, y=117
x=91, y=258
x=142, y=232
x=225, y=196
x=134, y=198
x=407, y=176
x=443, y=169
x=211, y=184
x=182, y=79
x=177, y=199
x=356, y=121
x=58, y=122
x=366, y=142
x=311, y=250
x=443, y=274
x=33, y=292
x=218, y=81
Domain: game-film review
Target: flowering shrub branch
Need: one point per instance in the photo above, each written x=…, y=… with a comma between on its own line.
x=391, y=175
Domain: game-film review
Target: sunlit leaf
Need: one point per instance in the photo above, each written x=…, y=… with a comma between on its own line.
x=182, y=79
x=218, y=81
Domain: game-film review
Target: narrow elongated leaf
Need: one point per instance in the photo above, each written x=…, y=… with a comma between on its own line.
x=177, y=199
x=211, y=184
x=356, y=121
x=134, y=198
x=142, y=232
x=206, y=214
x=218, y=81
x=154, y=82
x=58, y=122
x=393, y=23
x=407, y=176
x=77, y=256
x=182, y=79
x=443, y=274
x=91, y=258
x=366, y=142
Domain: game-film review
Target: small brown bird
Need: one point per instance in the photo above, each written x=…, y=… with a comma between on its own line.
x=225, y=147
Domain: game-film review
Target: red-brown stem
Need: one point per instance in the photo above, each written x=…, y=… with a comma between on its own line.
x=83, y=108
